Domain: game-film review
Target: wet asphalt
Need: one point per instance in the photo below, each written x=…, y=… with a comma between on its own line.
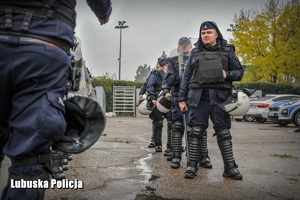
x=120, y=166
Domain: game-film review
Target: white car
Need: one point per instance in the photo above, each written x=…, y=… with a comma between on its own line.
x=259, y=108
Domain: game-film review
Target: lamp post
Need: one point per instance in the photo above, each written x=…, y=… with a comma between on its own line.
x=121, y=26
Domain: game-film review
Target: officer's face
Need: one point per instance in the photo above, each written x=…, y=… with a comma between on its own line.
x=185, y=48
x=209, y=37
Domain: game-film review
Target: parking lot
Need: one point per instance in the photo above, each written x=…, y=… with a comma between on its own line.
x=120, y=166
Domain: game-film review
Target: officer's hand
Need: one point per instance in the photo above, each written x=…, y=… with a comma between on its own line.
x=183, y=106
x=141, y=96
x=102, y=22
x=224, y=74
x=154, y=102
x=168, y=96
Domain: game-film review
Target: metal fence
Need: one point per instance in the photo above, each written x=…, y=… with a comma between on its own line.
x=124, y=99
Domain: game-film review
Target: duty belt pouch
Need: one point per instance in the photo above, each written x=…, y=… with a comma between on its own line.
x=55, y=164
x=210, y=71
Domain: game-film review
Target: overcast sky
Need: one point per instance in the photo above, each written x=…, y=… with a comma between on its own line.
x=154, y=26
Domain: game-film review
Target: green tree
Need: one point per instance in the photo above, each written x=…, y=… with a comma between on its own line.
x=142, y=73
x=268, y=41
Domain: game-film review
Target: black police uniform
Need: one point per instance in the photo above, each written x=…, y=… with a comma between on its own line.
x=171, y=84
x=35, y=41
x=153, y=88
x=204, y=89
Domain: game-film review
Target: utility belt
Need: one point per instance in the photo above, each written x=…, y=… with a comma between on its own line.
x=39, y=39
x=40, y=159
x=53, y=161
x=225, y=85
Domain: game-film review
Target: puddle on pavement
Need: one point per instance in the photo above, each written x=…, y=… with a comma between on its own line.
x=146, y=171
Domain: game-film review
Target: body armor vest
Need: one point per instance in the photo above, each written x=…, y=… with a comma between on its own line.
x=208, y=71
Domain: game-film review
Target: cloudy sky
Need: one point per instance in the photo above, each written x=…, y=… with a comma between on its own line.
x=154, y=26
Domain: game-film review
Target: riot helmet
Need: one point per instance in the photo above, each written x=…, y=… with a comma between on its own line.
x=142, y=107
x=85, y=123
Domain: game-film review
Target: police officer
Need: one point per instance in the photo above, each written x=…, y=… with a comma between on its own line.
x=171, y=84
x=206, y=84
x=142, y=92
x=153, y=88
x=35, y=41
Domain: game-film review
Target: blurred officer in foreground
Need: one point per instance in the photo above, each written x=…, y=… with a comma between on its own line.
x=171, y=84
x=206, y=84
x=35, y=42
x=153, y=88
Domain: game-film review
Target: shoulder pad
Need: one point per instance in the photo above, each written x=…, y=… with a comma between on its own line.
x=230, y=47
x=194, y=50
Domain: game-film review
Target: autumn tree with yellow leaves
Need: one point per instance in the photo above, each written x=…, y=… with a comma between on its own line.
x=268, y=42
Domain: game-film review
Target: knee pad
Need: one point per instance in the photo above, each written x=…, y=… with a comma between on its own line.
x=178, y=126
x=223, y=134
x=198, y=131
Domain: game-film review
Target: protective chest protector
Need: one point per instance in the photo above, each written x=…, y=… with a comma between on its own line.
x=209, y=66
x=44, y=9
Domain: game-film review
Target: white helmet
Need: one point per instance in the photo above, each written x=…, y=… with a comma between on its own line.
x=163, y=104
x=142, y=107
x=241, y=105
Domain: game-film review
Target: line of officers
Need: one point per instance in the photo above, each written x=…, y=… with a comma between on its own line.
x=187, y=89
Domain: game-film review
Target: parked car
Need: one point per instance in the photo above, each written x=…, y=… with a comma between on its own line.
x=259, y=108
x=285, y=112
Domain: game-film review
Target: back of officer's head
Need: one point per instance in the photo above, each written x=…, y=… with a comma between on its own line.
x=162, y=61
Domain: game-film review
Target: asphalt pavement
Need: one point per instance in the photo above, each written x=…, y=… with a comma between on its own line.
x=120, y=166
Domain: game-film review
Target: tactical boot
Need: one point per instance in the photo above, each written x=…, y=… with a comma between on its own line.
x=170, y=156
x=177, y=151
x=204, y=160
x=167, y=151
x=175, y=162
x=169, y=139
x=177, y=144
x=191, y=171
x=65, y=161
x=158, y=149
x=152, y=143
x=193, y=154
x=158, y=135
x=225, y=145
x=70, y=157
x=232, y=172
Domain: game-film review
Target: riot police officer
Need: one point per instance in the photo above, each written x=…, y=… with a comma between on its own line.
x=171, y=84
x=35, y=41
x=206, y=84
x=153, y=88
x=141, y=96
